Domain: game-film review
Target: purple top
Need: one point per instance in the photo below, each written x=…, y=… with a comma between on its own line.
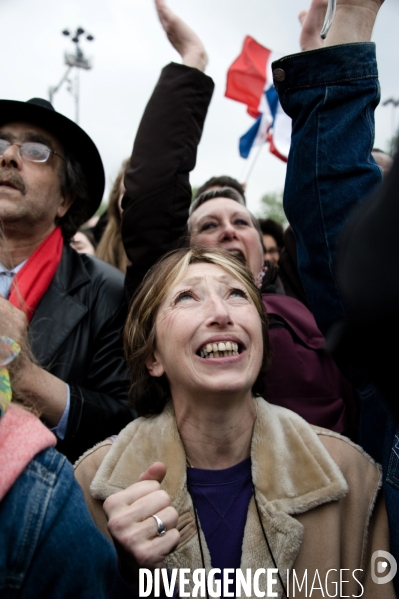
x=221, y=498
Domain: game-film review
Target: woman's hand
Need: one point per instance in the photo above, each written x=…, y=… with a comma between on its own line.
x=133, y=528
x=312, y=22
x=182, y=37
x=353, y=22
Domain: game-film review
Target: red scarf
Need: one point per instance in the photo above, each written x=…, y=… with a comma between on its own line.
x=32, y=281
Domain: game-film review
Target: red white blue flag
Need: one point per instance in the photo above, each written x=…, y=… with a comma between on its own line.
x=250, y=81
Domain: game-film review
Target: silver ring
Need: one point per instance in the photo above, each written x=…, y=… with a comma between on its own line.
x=161, y=527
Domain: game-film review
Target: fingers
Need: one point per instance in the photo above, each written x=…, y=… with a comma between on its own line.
x=14, y=322
x=136, y=505
x=138, y=520
x=149, y=483
x=165, y=14
x=132, y=526
x=302, y=16
x=184, y=40
x=168, y=517
x=156, y=471
x=312, y=22
x=128, y=497
x=149, y=553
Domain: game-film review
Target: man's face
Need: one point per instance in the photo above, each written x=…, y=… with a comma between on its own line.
x=272, y=252
x=30, y=192
x=383, y=160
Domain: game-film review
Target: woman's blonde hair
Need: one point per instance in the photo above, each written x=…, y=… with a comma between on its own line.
x=110, y=249
x=149, y=394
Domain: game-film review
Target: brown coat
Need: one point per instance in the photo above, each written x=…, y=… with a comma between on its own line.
x=318, y=495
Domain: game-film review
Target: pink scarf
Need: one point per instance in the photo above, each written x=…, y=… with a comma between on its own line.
x=22, y=436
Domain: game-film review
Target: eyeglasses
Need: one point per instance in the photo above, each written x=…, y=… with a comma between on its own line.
x=32, y=151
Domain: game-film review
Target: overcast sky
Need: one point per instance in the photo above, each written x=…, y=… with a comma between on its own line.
x=128, y=53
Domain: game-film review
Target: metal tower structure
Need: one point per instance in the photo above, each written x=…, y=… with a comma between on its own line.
x=76, y=60
x=395, y=105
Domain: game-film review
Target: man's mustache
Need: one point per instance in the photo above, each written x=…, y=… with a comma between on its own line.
x=8, y=177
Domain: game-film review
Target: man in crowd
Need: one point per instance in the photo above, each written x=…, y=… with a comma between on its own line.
x=384, y=160
x=273, y=238
x=66, y=309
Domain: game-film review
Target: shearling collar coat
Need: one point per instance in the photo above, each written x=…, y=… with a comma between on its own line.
x=318, y=495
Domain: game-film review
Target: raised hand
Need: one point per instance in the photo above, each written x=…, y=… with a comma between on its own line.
x=182, y=37
x=354, y=21
x=133, y=528
x=14, y=323
x=312, y=22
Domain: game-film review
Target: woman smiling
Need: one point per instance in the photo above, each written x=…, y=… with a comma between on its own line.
x=210, y=476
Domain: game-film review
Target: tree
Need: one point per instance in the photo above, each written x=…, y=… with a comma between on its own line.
x=393, y=144
x=272, y=207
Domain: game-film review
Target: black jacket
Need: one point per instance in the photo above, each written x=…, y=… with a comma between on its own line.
x=158, y=190
x=76, y=334
x=156, y=208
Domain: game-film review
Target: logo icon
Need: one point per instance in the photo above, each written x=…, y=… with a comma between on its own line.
x=382, y=566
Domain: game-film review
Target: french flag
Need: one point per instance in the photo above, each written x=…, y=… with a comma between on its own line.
x=250, y=81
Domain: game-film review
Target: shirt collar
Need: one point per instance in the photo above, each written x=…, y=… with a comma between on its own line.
x=14, y=270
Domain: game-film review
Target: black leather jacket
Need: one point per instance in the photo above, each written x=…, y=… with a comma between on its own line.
x=158, y=192
x=76, y=334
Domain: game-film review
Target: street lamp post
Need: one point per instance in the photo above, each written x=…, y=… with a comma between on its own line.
x=75, y=60
x=395, y=104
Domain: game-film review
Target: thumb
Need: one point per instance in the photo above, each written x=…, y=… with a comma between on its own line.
x=156, y=471
x=302, y=16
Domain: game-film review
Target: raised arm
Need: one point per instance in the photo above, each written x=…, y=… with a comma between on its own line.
x=158, y=192
x=184, y=40
x=311, y=24
x=330, y=94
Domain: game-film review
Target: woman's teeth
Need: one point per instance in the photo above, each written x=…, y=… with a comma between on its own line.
x=219, y=350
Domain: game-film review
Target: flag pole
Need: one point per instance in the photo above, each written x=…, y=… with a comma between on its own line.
x=254, y=162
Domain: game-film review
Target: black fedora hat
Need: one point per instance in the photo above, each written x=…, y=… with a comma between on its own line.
x=41, y=113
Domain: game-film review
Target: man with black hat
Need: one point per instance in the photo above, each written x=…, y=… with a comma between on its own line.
x=51, y=182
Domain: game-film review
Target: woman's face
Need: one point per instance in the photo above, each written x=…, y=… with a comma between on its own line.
x=208, y=311
x=227, y=224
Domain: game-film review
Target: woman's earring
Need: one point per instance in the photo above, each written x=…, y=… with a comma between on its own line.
x=261, y=276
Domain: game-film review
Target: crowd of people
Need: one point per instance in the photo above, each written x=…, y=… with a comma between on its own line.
x=182, y=385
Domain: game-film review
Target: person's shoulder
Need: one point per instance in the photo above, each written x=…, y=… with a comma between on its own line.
x=77, y=269
x=87, y=465
x=100, y=270
x=352, y=460
x=106, y=288
x=48, y=473
x=47, y=465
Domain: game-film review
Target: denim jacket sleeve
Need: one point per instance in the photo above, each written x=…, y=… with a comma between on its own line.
x=331, y=95
x=49, y=545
